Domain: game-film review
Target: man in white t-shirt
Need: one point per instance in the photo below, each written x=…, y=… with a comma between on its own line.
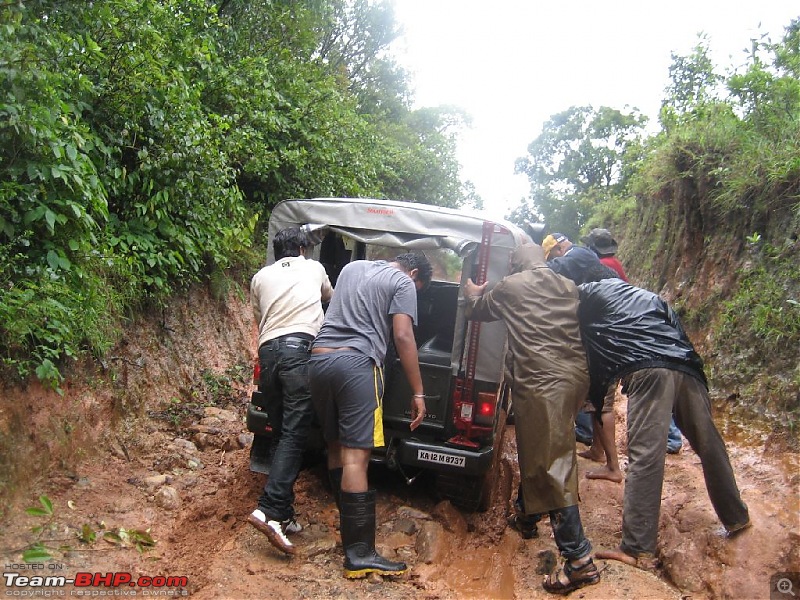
x=287, y=299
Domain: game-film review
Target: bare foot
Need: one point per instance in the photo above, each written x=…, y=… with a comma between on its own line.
x=593, y=456
x=605, y=473
x=645, y=562
x=617, y=554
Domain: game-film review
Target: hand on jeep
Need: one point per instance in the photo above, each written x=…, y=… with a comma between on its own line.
x=418, y=411
x=473, y=290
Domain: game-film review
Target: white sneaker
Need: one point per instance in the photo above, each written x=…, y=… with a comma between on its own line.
x=273, y=530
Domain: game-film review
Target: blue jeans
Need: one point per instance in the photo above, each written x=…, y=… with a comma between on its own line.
x=584, y=428
x=568, y=533
x=284, y=382
x=674, y=438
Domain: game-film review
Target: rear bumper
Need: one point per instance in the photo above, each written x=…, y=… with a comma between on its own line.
x=427, y=455
x=444, y=459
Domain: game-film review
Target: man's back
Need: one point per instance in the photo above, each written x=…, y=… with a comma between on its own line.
x=368, y=293
x=625, y=328
x=287, y=297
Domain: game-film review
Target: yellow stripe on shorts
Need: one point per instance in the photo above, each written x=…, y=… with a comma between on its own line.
x=377, y=423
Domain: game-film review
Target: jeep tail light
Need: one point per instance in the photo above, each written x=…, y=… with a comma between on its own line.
x=484, y=410
x=256, y=373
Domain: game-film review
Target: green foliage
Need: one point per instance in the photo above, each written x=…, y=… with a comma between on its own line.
x=178, y=412
x=707, y=209
x=224, y=389
x=578, y=164
x=763, y=307
x=143, y=143
x=39, y=551
x=49, y=317
x=694, y=84
x=213, y=389
x=137, y=538
x=419, y=157
x=759, y=325
x=36, y=553
x=745, y=145
x=44, y=510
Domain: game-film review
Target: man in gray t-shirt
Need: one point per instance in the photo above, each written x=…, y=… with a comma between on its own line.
x=373, y=298
x=358, y=318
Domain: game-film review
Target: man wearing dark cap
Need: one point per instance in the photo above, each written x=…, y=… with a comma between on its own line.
x=603, y=244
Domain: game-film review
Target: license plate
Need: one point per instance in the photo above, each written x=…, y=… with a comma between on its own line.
x=440, y=458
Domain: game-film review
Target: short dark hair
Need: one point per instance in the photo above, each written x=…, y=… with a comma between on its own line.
x=288, y=242
x=412, y=261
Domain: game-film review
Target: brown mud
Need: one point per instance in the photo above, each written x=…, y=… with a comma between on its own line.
x=189, y=487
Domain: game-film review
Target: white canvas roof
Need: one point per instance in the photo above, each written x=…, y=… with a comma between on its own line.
x=408, y=225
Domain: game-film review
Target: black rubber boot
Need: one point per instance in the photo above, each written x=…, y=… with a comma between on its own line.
x=357, y=512
x=335, y=479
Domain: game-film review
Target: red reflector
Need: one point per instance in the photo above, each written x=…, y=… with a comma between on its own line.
x=256, y=373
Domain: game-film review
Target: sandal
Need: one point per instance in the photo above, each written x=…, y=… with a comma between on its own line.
x=577, y=577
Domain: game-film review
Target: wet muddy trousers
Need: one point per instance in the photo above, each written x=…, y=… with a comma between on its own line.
x=357, y=514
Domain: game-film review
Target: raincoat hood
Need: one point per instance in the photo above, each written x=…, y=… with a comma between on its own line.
x=526, y=257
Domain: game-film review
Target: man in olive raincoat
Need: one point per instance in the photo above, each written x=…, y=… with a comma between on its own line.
x=549, y=381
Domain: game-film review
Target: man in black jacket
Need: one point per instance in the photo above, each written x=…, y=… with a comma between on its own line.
x=632, y=334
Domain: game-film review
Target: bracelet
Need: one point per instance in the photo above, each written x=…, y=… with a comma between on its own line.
x=418, y=395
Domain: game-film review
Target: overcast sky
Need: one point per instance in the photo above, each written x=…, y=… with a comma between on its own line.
x=512, y=64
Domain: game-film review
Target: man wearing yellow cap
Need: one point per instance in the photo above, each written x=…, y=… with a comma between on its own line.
x=577, y=263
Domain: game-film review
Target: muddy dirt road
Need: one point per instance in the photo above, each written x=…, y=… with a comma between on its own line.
x=191, y=491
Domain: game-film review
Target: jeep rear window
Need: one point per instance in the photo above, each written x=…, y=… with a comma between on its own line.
x=446, y=263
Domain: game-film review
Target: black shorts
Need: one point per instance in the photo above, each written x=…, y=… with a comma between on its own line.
x=347, y=391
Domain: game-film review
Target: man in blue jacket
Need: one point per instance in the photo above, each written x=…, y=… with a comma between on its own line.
x=633, y=335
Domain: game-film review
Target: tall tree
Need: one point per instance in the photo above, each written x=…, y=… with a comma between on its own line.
x=693, y=85
x=576, y=164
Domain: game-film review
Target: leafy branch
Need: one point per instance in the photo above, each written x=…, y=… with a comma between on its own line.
x=41, y=549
